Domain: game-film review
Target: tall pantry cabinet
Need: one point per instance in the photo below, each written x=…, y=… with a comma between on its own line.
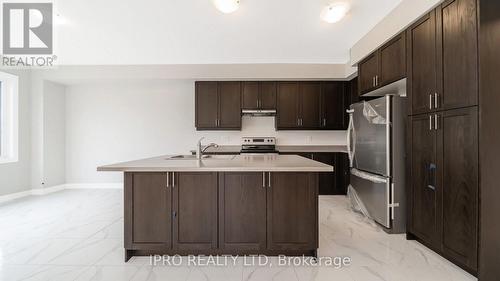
x=443, y=132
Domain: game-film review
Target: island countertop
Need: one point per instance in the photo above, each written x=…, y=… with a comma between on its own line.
x=222, y=163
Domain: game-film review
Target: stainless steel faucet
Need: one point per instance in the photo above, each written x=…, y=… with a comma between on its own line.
x=200, y=151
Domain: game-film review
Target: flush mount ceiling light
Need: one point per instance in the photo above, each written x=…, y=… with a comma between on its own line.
x=227, y=6
x=334, y=12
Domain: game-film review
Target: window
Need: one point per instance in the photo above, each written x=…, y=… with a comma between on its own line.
x=8, y=118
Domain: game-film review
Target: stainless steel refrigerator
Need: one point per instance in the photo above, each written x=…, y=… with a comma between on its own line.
x=376, y=146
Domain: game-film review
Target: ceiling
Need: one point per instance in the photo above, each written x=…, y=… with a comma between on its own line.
x=159, y=32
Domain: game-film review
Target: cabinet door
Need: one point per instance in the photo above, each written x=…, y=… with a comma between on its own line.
x=288, y=105
x=368, y=70
x=458, y=137
x=242, y=215
x=250, y=95
x=327, y=181
x=458, y=55
x=292, y=211
x=206, y=105
x=195, y=211
x=422, y=73
x=230, y=105
x=425, y=189
x=268, y=95
x=333, y=100
x=148, y=210
x=393, y=60
x=310, y=99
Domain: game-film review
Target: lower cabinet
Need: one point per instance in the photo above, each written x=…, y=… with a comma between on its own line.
x=336, y=182
x=443, y=211
x=194, y=211
x=292, y=218
x=242, y=217
x=149, y=222
x=221, y=213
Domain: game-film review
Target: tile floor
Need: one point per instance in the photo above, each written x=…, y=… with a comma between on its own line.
x=78, y=235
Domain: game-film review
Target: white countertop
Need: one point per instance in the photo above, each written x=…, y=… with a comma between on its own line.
x=222, y=163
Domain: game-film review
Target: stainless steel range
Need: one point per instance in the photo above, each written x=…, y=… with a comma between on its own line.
x=258, y=145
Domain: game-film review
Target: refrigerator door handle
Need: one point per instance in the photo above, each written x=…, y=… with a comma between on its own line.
x=351, y=134
x=393, y=205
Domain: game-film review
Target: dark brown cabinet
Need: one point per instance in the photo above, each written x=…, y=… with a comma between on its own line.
x=457, y=54
x=425, y=189
x=312, y=106
x=309, y=105
x=149, y=222
x=291, y=211
x=242, y=216
x=368, y=71
x=443, y=58
x=334, y=102
x=444, y=183
x=336, y=182
x=392, y=60
x=288, y=106
x=182, y=213
x=422, y=73
x=218, y=105
x=384, y=66
x=458, y=150
x=259, y=95
x=195, y=211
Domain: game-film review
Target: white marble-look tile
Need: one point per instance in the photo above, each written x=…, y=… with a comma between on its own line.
x=78, y=235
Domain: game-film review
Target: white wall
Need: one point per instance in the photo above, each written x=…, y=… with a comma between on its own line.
x=15, y=177
x=54, y=134
x=120, y=121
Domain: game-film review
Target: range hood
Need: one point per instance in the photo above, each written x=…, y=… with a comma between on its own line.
x=259, y=112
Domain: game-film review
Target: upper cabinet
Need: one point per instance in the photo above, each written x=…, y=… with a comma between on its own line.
x=443, y=58
x=368, y=72
x=312, y=105
x=384, y=66
x=288, y=106
x=307, y=105
x=218, y=105
x=457, y=54
x=259, y=95
x=422, y=58
x=334, y=102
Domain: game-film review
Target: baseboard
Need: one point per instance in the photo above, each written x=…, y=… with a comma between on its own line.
x=94, y=186
x=47, y=190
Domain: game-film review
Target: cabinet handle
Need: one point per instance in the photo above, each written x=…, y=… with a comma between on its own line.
x=174, y=214
x=376, y=80
x=432, y=176
x=435, y=100
x=173, y=179
x=324, y=122
x=430, y=101
x=436, y=123
x=373, y=81
x=257, y=103
x=430, y=122
x=264, y=179
x=269, y=179
x=168, y=180
x=301, y=122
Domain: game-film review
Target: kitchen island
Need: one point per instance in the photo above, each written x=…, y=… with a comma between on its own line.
x=221, y=204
